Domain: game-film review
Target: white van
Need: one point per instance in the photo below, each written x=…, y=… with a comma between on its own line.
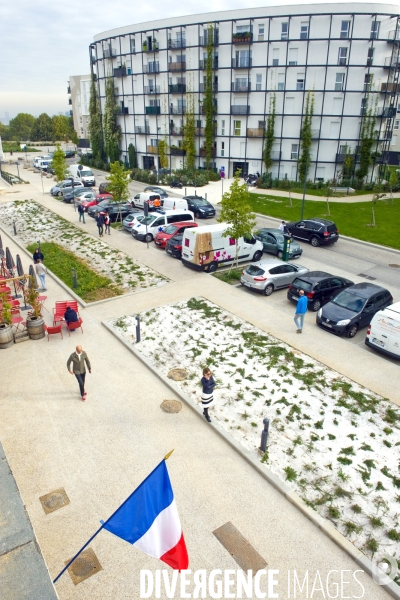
x=157, y=220
x=384, y=332
x=37, y=159
x=143, y=198
x=174, y=204
x=205, y=248
x=44, y=164
x=84, y=174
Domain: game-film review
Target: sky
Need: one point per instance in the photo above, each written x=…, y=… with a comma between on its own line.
x=42, y=43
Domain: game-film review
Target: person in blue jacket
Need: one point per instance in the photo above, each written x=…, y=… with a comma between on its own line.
x=207, y=396
x=301, y=309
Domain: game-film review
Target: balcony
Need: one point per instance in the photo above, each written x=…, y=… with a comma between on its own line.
x=394, y=35
x=150, y=45
x=276, y=155
x=391, y=62
x=122, y=110
x=177, y=88
x=176, y=44
x=152, y=67
x=109, y=52
x=177, y=66
x=120, y=72
x=243, y=37
x=203, y=40
x=203, y=152
x=385, y=135
x=152, y=110
x=70, y=113
x=177, y=151
x=203, y=87
x=241, y=63
x=69, y=101
x=203, y=64
x=151, y=89
x=175, y=130
x=142, y=129
x=239, y=87
x=390, y=88
x=68, y=90
x=240, y=109
x=152, y=149
x=255, y=132
x=177, y=110
x=386, y=113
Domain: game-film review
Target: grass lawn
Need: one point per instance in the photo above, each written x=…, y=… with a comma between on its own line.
x=352, y=219
x=232, y=277
x=321, y=192
x=8, y=146
x=91, y=285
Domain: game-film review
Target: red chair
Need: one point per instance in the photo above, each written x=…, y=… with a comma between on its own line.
x=18, y=323
x=74, y=325
x=52, y=331
x=61, y=307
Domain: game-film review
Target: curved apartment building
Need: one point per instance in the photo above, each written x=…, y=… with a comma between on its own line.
x=343, y=53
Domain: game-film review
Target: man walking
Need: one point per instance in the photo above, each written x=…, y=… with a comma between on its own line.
x=81, y=212
x=301, y=309
x=41, y=271
x=78, y=360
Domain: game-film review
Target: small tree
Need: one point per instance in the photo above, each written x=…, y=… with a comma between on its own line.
x=236, y=211
x=189, y=138
x=269, y=135
x=378, y=195
x=348, y=163
x=59, y=164
x=132, y=156
x=95, y=129
x=393, y=180
x=112, y=131
x=162, y=153
x=118, y=187
x=306, y=136
x=329, y=193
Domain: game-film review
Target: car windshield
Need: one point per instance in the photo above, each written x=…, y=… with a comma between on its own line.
x=170, y=229
x=103, y=203
x=302, y=285
x=86, y=174
x=347, y=300
x=279, y=238
x=148, y=220
x=254, y=270
x=201, y=202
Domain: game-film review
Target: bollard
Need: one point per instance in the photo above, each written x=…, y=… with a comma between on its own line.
x=74, y=278
x=206, y=195
x=264, y=435
x=185, y=192
x=137, y=329
x=15, y=228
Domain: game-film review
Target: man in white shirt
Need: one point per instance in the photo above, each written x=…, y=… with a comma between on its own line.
x=282, y=226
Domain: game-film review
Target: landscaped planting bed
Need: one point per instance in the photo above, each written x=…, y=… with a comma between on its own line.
x=334, y=442
x=34, y=222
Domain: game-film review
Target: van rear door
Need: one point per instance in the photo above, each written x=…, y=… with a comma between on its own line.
x=385, y=331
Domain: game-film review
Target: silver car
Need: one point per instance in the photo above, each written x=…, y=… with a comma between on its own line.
x=136, y=216
x=270, y=274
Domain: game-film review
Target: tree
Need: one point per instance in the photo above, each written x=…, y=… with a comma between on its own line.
x=132, y=156
x=20, y=127
x=4, y=132
x=305, y=137
x=95, y=130
x=61, y=127
x=42, y=129
x=348, y=163
x=269, y=135
x=189, y=143
x=378, y=195
x=112, y=131
x=162, y=153
x=209, y=99
x=118, y=186
x=59, y=164
x=236, y=211
x=74, y=137
x=367, y=137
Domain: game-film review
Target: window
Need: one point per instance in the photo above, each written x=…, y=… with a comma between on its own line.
x=293, y=56
x=345, y=29
x=396, y=125
x=281, y=83
x=289, y=105
x=370, y=56
x=258, y=82
x=223, y=127
x=237, y=126
x=300, y=82
x=375, y=30
x=154, y=103
x=342, y=59
x=133, y=47
x=334, y=130
x=363, y=104
x=153, y=142
x=284, y=31
x=222, y=148
x=339, y=82
x=275, y=57
x=304, y=30
x=295, y=152
x=367, y=82
x=243, y=28
x=261, y=32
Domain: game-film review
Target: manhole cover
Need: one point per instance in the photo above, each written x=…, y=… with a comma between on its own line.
x=54, y=500
x=171, y=406
x=394, y=266
x=86, y=565
x=177, y=374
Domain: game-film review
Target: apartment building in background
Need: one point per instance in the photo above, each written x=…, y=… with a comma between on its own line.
x=345, y=54
x=79, y=97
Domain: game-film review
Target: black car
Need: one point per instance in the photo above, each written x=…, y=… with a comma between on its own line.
x=157, y=190
x=174, y=246
x=319, y=288
x=316, y=231
x=103, y=187
x=69, y=195
x=112, y=208
x=69, y=153
x=175, y=184
x=353, y=308
x=200, y=207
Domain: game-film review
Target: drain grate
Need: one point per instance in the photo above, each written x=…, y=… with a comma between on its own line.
x=394, y=266
x=54, y=500
x=177, y=374
x=86, y=565
x=171, y=406
x=239, y=548
x=366, y=276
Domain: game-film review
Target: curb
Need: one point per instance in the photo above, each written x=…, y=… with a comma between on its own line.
x=363, y=561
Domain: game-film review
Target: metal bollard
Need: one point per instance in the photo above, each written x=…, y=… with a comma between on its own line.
x=137, y=329
x=15, y=228
x=185, y=192
x=205, y=195
x=74, y=278
x=264, y=435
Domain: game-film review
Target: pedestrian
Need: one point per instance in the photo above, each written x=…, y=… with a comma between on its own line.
x=301, y=309
x=37, y=255
x=282, y=226
x=107, y=222
x=81, y=212
x=207, y=396
x=100, y=223
x=41, y=271
x=78, y=360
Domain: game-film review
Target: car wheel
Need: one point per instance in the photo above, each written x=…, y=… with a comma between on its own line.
x=316, y=305
x=149, y=237
x=257, y=256
x=314, y=241
x=197, y=215
x=280, y=254
x=352, y=331
x=212, y=267
x=269, y=289
x=59, y=194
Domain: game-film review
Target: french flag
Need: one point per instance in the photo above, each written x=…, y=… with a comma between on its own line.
x=149, y=520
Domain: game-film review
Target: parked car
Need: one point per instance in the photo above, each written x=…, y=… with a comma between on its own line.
x=111, y=207
x=174, y=246
x=161, y=238
x=270, y=274
x=175, y=184
x=319, y=288
x=57, y=190
x=152, y=224
x=316, y=231
x=87, y=204
x=135, y=216
x=353, y=308
x=200, y=207
x=83, y=195
x=71, y=194
x=69, y=153
x=103, y=187
x=273, y=242
x=157, y=190
x=383, y=333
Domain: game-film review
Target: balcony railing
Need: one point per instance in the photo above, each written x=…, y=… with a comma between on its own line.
x=177, y=151
x=390, y=88
x=177, y=110
x=123, y=110
x=241, y=63
x=239, y=87
x=203, y=152
x=255, y=132
x=151, y=89
x=120, y=72
x=203, y=87
x=386, y=113
x=176, y=131
x=152, y=67
x=276, y=155
x=203, y=40
x=385, y=135
x=152, y=149
x=109, y=52
x=394, y=35
x=203, y=64
x=150, y=47
x=152, y=110
x=392, y=62
x=243, y=37
x=177, y=66
x=142, y=129
x=181, y=43
x=240, y=109
x=69, y=101
x=177, y=88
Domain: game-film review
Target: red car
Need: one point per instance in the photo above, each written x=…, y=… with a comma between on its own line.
x=161, y=238
x=97, y=200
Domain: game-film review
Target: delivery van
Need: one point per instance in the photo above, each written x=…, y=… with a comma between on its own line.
x=44, y=164
x=152, y=199
x=84, y=174
x=205, y=248
x=383, y=334
x=154, y=222
x=174, y=204
x=37, y=159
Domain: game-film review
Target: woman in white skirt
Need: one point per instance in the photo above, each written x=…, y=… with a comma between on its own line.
x=207, y=396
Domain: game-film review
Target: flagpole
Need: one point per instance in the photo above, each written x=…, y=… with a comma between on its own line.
x=105, y=522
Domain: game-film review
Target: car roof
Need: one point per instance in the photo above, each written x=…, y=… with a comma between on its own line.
x=316, y=275
x=193, y=197
x=365, y=289
x=318, y=220
x=269, y=262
